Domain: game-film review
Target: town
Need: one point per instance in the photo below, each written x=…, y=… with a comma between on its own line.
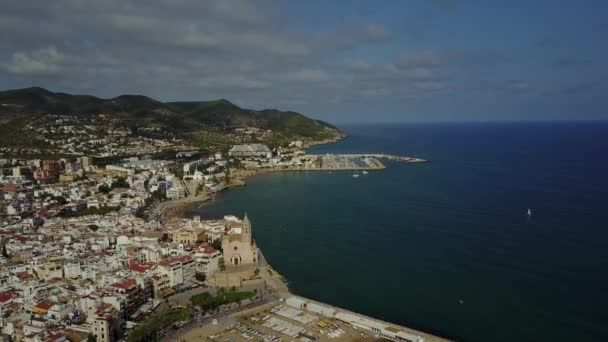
x=101, y=251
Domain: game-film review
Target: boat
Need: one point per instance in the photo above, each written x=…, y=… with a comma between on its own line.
x=356, y=175
x=365, y=172
x=529, y=212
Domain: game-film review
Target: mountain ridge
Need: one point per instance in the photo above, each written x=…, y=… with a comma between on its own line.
x=143, y=111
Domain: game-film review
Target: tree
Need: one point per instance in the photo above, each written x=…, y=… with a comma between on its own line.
x=120, y=183
x=61, y=200
x=93, y=227
x=217, y=244
x=221, y=264
x=91, y=338
x=159, y=196
x=200, y=277
x=104, y=188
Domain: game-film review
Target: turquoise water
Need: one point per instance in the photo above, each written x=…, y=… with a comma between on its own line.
x=406, y=243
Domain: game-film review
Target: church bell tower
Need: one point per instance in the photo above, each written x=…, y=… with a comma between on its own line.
x=246, y=233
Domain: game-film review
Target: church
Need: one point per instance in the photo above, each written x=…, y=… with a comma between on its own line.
x=240, y=249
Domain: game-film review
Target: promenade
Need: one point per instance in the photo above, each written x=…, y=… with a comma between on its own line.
x=283, y=318
x=276, y=315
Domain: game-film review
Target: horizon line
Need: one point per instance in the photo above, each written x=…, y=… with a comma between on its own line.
x=506, y=121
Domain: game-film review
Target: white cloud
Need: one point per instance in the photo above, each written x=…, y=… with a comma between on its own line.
x=377, y=33
x=46, y=61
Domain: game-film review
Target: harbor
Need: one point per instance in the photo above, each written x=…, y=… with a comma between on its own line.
x=357, y=161
x=380, y=156
x=346, y=162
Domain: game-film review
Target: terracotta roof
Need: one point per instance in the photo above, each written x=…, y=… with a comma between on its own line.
x=5, y=297
x=101, y=308
x=44, y=305
x=53, y=338
x=137, y=267
x=234, y=224
x=182, y=258
x=207, y=249
x=125, y=285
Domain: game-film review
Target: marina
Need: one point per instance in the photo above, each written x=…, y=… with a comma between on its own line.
x=345, y=162
x=383, y=156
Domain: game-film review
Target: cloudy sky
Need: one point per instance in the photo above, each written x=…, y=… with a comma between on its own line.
x=407, y=60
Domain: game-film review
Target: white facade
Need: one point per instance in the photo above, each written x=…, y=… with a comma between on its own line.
x=71, y=270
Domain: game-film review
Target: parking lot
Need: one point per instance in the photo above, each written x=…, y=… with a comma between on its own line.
x=275, y=322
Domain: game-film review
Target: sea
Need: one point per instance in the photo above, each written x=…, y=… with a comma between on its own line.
x=447, y=247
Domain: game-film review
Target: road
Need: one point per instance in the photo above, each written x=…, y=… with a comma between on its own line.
x=220, y=314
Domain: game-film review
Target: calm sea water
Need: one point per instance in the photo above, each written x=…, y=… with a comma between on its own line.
x=406, y=243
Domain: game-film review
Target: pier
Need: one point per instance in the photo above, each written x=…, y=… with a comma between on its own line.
x=382, y=156
x=352, y=162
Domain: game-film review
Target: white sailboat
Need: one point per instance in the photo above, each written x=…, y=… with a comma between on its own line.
x=365, y=172
x=529, y=212
x=356, y=175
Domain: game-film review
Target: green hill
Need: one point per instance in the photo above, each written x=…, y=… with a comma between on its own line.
x=142, y=111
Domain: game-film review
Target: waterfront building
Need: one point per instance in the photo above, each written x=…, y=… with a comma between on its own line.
x=175, y=192
x=250, y=150
x=240, y=249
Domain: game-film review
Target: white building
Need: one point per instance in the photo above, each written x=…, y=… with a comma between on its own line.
x=175, y=192
x=207, y=260
x=250, y=150
x=180, y=269
x=71, y=270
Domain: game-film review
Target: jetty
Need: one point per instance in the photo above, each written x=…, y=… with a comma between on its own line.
x=382, y=156
x=352, y=162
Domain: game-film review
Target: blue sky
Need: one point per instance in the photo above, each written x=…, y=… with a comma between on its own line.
x=342, y=61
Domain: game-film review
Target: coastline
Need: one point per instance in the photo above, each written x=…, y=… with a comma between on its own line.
x=176, y=210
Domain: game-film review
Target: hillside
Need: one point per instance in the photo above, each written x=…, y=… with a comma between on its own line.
x=141, y=111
